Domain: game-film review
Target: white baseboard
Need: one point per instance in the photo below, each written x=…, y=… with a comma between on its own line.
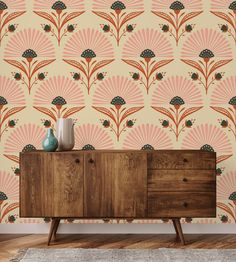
x=118, y=229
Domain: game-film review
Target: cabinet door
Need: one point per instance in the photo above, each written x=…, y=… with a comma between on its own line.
x=115, y=184
x=51, y=184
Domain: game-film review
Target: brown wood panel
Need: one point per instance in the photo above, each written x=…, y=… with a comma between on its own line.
x=97, y=184
x=68, y=175
x=178, y=159
x=181, y=204
x=36, y=185
x=129, y=184
x=181, y=180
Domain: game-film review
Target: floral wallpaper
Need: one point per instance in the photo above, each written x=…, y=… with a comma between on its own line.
x=133, y=74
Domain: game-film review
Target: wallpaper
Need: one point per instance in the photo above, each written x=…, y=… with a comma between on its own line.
x=133, y=74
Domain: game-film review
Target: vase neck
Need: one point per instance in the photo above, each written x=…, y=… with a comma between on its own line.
x=50, y=132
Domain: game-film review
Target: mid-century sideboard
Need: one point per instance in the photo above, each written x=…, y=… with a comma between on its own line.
x=128, y=184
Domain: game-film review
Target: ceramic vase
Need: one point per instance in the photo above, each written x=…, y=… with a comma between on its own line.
x=65, y=134
x=50, y=142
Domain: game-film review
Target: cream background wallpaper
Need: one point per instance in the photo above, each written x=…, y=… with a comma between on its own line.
x=146, y=126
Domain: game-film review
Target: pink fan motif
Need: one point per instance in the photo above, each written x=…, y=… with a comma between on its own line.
x=223, y=101
x=9, y=11
x=118, y=98
x=62, y=95
x=226, y=11
x=226, y=194
x=208, y=137
x=12, y=101
x=177, y=98
x=176, y=14
x=58, y=14
x=29, y=51
x=92, y=137
x=9, y=191
x=27, y=137
x=147, y=51
x=89, y=51
x=118, y=14
x=147, y=137
x=206, y=51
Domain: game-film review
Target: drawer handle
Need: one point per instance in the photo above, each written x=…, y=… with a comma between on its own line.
x=185, y=204
x=77, y=161
x=91, y=161
x=185, y=179
x=185, y=160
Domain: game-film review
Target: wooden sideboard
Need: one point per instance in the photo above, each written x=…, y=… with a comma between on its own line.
x=127, y=184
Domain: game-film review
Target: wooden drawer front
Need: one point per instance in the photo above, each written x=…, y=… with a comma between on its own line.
x=181, y=180
x=181, y=160
x=181, y=204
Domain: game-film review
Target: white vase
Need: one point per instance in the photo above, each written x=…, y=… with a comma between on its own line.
x=65, y=134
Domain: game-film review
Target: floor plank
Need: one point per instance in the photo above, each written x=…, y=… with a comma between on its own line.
x=10, y=244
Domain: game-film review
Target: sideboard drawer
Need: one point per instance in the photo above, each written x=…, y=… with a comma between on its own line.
x=170, y=159
x=181, y=180
x=181, y=204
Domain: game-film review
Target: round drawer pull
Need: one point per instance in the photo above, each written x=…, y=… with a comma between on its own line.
x=77, y=161
x=185, y=160
x=91, y=161
x=185, y=204
x=185, y=179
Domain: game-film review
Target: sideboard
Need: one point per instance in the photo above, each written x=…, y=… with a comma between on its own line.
x=122, y=184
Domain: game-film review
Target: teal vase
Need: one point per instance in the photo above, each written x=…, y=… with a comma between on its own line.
x=50, y=143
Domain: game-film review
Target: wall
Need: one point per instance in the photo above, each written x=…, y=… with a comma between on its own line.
x=132, y=74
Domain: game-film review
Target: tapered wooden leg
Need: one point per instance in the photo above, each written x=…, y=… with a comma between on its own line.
x=176, y=230
x=57, y=223
x=51, y=231
x=179, y=229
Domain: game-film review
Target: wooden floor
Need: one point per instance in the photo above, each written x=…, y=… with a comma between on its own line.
x=10, y=244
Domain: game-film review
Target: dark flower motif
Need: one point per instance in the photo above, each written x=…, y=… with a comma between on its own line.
x=88, y=147
x=11, y=123
x=188, y=28
x=3, y=101
x=118, y=102
x=206, y=54
x=129, y=123
x=232, y=101
x=129, y=28
x=165, y=123
x=207, y=148
x=3, y=196
x=194, y=76
x=218, y=76
x=106, y=28
x=224, y=28
x=165, y=28
x=17, y=76
x=3, y=6
x=41, y=76
x=136, y=76
x=147, y=147
x=47, y=219
x=159, y=76
x=177, y=6
x=58, y=102
x=100, y=76
x=224, y=123
x=76, y=76
x=218, y=171
x=11, y=28
x=17, y=171
x=232, y=6
x=188, y=219
x=59, y=6
x=224, y=218
x=177, y=102
x=11, y=219
x=70, y=28
x=118, y=6
x=106, y=123
x=28, y=148
x=188, y=123
x=47, y=28
x=147, y=54
x=233, y=197
x=29, y=54
x=88, y=54
x=47, y=123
